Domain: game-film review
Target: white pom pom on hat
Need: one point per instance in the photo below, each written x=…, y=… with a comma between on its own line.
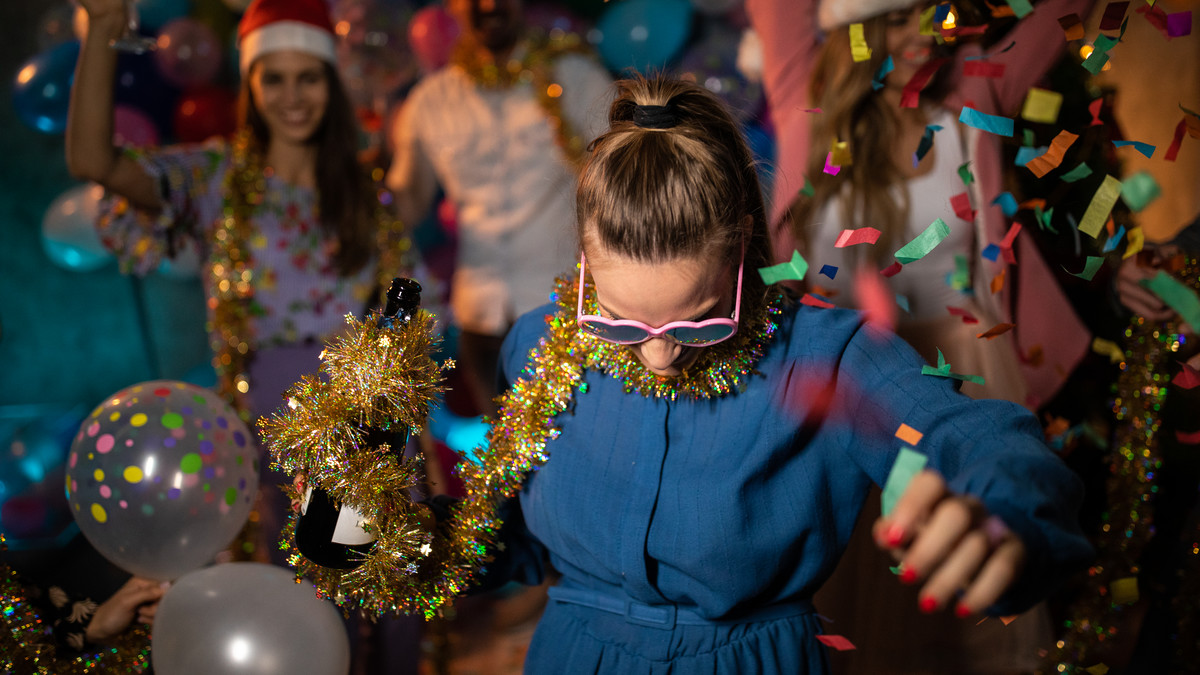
x=278, y=25
x=838, y=13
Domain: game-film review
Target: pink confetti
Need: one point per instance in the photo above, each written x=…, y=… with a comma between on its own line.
x=875, y=299
x=813, y=301
x=1179, y=24
x=891, y=270
x=967, y=317
x=831, y=169
x=961, y=203
x=837, y=642
x=1187, y=378
x=863, y=235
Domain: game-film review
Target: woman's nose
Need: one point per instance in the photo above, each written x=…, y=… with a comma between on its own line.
x=660, y=353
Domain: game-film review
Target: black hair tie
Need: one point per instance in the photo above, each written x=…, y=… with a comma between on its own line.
x=654, y=116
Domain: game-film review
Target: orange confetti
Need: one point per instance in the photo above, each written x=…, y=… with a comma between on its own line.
x=1008, y=619
x=996, y=331
x=1049, y=160
x=909, y=435
x=998, y=282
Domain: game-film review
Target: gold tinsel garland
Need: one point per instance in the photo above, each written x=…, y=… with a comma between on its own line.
x=534, y=67
x=1128, y=522
x=377, y=377
x=425, y=579
x=27, y=647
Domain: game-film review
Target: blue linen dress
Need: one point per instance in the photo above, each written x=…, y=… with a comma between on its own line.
x=704, y=526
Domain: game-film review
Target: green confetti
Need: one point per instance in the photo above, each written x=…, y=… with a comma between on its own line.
x=807, y=190
x=1090, y=267
x=1021, y=8
x=794, y=269
x=908, y=464
x=923, y=243
x=943, y=370
x=1177, y=296
x=960, y=278
x=1139, y=190
x=1078, y=173
x=964, y=172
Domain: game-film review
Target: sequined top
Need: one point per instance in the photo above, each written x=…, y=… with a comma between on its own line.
x=297, y=291
x=726, y=508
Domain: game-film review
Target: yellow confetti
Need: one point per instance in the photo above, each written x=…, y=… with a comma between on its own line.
x=1041, y=105
x=1136, y=240
x=1109, y=349
x=1124, y=590
x=859, y=50
x=839, y=152
x=1099, y=668
x=1102, y=203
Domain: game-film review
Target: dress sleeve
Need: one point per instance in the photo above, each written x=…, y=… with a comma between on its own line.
x=990, y=449
x=189, y=179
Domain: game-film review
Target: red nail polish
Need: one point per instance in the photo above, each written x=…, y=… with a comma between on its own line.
x=894, y=535
x=908, y=575
x=928, y=604
x=961, y=611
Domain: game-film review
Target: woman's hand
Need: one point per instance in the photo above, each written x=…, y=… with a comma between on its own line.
x=952, y=544
x=137, y=599
x=104, y=9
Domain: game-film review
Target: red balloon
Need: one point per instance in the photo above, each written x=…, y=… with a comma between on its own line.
x=203, y=113
x=431, y=33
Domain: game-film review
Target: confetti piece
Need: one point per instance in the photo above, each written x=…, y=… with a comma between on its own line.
x=1094, y=109
x=1144, y=148
x=875, y=299
x=1108, y=348
x=859, y=50
x=1041, y=105
x=1137, y=239
x=1078, y=173
x=1155, y=17
x=925, y=242
x=1006, y=244
x=1008, y=203
x=996, y=331
x=1179, y=24
x=926, y=24
x=1028, y=153
x=1188, y=438
x=1001, y=126
x=983, y=69
x=1048, y=161
x=997, y=283
x=815, y=301
x=960, y=278
x=908, y=464
x=839, y=153
x=836, y=641
x=1176, y=141
x=1114, y=240
x=862, y=235
x=1113, y=14
x=964, y=172
x=1099, y=56
x=961, y=203
x=902, y=303
x=926, y=142
x=1177, y=296
x=1100, y=206
x=1090, y=267
x=891, y=270
x=1072, y=26
x=911, y=94
x=967, y=317
x=1187, y=378
x=1124, y=591
x=1008, y=619
x=1098, y=669
x=793, y=269
x=807, y=190
x=1020, y=8
x=1139, y=190
x=830, y=168
x=908, y=434
x=829, y=271
x=943, y=370
x=886, y=67
x=990, y=252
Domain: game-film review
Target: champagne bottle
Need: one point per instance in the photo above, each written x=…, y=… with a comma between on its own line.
x=331, y=534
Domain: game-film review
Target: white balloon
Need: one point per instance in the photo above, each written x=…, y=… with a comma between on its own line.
x=247, y=618
x=69, y=229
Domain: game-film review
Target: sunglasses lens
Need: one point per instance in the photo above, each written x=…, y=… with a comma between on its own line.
x=613, y=333
x=703, y=334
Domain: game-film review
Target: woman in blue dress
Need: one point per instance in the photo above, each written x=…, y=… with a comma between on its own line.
x=699, y=444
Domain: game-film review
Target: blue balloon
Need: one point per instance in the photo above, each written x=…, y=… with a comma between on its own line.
x=154, y=14
x=42, y=88
x=642, y=34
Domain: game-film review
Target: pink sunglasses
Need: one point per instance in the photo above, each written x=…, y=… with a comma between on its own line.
x=687, y=333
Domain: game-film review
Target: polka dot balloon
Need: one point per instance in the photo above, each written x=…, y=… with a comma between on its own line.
x=161, y=477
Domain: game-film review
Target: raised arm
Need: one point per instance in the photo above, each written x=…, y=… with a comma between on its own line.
x=90, y=152
x=411, y=177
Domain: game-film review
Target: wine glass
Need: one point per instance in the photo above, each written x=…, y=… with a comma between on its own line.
x=130, y=41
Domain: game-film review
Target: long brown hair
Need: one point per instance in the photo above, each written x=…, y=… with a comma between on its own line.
x=655, y=195
x=853, y=112
x=345, y=195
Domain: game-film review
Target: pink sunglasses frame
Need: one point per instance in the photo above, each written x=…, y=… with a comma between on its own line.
x=661, y=331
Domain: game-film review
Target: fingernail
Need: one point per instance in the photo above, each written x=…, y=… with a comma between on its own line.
x=961, y=611
x=908, y=575
x=894, y=535
x=928, y=604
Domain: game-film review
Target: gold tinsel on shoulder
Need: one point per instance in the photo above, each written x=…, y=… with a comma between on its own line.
x=26, y=648
x=381, y=377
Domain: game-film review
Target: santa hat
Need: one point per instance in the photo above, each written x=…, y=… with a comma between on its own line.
x=838, y=13
x=277, y=25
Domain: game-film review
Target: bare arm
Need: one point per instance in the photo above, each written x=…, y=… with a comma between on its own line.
x=90, y=152
x=411, y=177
